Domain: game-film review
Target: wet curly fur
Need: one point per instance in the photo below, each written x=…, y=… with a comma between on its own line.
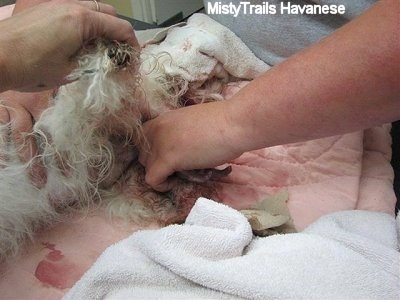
x=88, y=140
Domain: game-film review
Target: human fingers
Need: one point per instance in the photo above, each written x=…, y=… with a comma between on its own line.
x=34, y=103
x=24, y=4
x=90, y=4
x=158, y=177
x=157, y=172
x=4, y=120
x=21, y=125
x=97, y=6
x=109, y=27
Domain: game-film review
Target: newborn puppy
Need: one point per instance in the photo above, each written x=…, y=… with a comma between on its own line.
x=88, y=140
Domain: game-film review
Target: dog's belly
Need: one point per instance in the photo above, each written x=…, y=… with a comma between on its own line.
x=60, y=256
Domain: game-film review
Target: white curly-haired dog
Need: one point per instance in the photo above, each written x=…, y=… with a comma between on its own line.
x=88, y=139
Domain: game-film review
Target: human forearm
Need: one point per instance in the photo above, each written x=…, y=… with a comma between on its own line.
x=347, y=82
x=5, y=83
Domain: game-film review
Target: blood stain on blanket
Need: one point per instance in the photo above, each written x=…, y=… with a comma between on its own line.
x=54, y=254
x=56, y=270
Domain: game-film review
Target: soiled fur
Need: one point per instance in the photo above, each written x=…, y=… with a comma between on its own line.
x=88, y=141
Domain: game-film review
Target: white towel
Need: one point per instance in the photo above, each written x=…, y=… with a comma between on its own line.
x=349, y=254
x=193, y=51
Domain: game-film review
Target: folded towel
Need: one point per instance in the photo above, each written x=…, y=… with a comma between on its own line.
x=349, y=254
x=194, y=50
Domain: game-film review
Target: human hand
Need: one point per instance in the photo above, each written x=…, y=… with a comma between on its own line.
x=39, y=44
x=20, y=5
x=20, y=111
x=195, y=137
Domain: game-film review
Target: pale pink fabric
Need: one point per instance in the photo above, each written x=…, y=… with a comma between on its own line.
x=352, y=171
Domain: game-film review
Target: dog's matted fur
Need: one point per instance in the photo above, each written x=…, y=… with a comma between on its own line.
x=88, y=145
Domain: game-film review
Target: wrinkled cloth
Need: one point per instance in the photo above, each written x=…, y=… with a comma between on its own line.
x=194, y=50
x=350, y=171
x=348, y=254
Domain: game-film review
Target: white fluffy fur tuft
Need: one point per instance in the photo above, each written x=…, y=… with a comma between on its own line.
x=88, y=141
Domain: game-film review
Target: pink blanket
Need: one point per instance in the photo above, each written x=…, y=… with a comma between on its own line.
x=351, y=171
x=337, y=173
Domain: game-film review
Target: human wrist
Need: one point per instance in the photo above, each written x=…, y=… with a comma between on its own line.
x=254, y=124
x=238, y=134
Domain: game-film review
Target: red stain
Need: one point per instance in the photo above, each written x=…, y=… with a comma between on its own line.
x=49, y=246
x=53, y=274
x=55, y=255
x=56, y=270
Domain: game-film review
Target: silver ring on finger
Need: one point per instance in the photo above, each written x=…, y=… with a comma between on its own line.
x=97, y=5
